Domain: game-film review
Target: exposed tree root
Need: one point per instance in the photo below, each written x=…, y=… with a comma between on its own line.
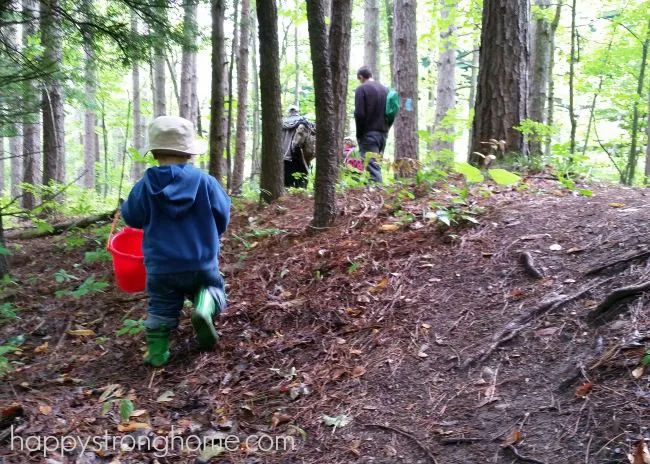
x=625, y=259
x=406, y=434
x=513, y=328
x=526, y=260
x=605, y=312
x=522, y=457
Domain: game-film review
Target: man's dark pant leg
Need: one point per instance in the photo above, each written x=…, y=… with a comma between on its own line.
x=374, y=142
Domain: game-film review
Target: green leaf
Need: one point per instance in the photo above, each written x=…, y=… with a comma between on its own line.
x=586, y=192
x=646, y=359
x=126, y=409
x=338, y=421
x=99, y=255
x=472, y=174
x=4, y=251
x=43, y=226
x=504, y=177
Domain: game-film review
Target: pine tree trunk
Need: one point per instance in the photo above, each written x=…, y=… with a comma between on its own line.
x=636, y=114
x=371, y=37
x=242, y=98
x=272, y=175
x=137, y=168
x=542, y=39
x=32, y=98
x=53, y=99
x=390, y=7
x=446, y=89
x=90, y=117
x=256, y=167
x=187, y=108
x=16, y=140
x=217, y=133
x=502, y=93
x=406, y=79
x=4, y=262
x=340, y=41
x=572, y=64
x=231, y=67
x=550, y=106
x=2, y=166
x=472, y=96
x=326, y=156
x=158, y=65
x=647, y=145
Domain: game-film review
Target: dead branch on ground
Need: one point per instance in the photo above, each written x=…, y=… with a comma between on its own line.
x=526, y=260
x=604, y=311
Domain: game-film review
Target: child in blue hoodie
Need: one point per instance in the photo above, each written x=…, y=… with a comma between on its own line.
x=183, y=212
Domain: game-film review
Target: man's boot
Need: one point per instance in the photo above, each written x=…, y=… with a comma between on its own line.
x=204, y=309
x=157, y=346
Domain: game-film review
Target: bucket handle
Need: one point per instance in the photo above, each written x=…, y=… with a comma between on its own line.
x=113, y=225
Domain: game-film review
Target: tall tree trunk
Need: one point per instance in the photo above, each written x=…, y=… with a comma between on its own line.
x=390, y=7
x=187, y=104
x=90, y=117
x=231, y=67
x=53, y=100
x=572, y=73
x=171, y=66
x=16, y=141
x=371, y=37
x=272, y=175
x=647, y=146
x=446, y=91
x=217, y=133
x=340, y=41
x=406, y=79
x=32, y=98
x=256, y=167
x=137, y=168
x=502, y=94
x=550, y=106
x=296, y=92
x=634, y=155
x=159, y=62
x=242, y=98
x=326, y=165
x=2, y=165
x=542, y=38
x=472, y=95
x=105, y=145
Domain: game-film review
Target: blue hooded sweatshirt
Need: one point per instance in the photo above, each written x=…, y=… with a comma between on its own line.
x=183, y=212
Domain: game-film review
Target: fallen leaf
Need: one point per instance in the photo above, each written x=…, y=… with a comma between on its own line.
x=584, y=389
x=211, y=451
x=547, y=332
x=422, y=354
x=363, y=299
x=338, y=421
x=109, y=391
x=358, y=371
x=165, y=397
x=380, y=286
x=355, y=352
x=139, y=412
x=81, y=332
x=638, y=372
x=337, y=373
x=617, y=205
x=641, y=454
x=354, y=312
x=516, y=294
x=426, y=326
x=42, y=348
x=555, y=247
x=511, y=439
x=132, y=426
x=575, y=250
x=279, y=418
x=534, y=236
x=45, y=409
x=388, y=227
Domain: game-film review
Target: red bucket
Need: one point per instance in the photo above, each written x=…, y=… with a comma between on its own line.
x=128, y=260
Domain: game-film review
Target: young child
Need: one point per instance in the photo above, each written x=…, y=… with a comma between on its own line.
x=183, y=212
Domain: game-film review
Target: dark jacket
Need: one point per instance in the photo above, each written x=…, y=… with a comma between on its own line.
x=183, y=212
x=370, y=108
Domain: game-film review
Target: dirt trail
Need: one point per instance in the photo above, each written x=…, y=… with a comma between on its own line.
x=368, y=325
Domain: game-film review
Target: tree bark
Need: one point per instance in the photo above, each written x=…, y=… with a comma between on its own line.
x=472, y=95
x=217, y=133
x=636, y=115
x=137, y=168
x=550, y=107
x=53, y=99
x=572, y=65
x=502, y=93
x=647, y=146
x=32, y=98
x=542, y=39
x=340, y=41
x=242, y=98
x=446, y=90
x=187, y=105
x=406, y=79
x=90, y=117
x=296, y=91
x=159, y=63
x=2, y=166
x=231, y=67
x=16, y=140
x=256, y=167
x=326, y=165
x=371, y=37
x=389, y=6
x=272, y=175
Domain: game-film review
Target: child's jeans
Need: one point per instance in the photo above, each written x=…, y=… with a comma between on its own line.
x=167, y=293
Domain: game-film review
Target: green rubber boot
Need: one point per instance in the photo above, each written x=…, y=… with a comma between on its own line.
x=157, y=347
x=204, y=309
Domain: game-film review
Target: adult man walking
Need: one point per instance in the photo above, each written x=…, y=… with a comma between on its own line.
x=370, y=118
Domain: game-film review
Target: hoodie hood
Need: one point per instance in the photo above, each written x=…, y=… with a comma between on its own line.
x=173, y=187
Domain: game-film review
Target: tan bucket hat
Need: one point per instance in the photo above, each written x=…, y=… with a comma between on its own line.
x=174, y=136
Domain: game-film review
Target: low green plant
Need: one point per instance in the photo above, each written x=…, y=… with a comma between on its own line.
x=89, y=286
x=131, y=328
x=11, y=346
x=99, y=255
x=8, y=312
x=62, y=276
x=353, y=267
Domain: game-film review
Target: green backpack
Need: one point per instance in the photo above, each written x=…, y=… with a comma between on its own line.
x=392, y=106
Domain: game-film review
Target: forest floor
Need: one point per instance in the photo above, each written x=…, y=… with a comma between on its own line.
x=423, y=345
